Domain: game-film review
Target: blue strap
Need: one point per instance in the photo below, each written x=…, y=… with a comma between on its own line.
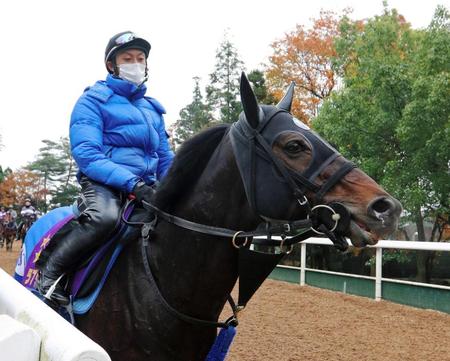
x=222, y=344
x=82, y=305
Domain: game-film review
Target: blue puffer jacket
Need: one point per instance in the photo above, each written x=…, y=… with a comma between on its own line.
x=118, y=136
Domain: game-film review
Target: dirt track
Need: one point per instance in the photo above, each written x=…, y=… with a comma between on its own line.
x=285, y=322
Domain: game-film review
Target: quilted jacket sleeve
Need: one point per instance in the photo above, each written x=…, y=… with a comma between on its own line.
x=86, y=138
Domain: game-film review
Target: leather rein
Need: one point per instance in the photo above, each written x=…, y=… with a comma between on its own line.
x=290, y=232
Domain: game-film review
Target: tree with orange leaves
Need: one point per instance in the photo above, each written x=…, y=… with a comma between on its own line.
x=19, y=185
x=305, y=57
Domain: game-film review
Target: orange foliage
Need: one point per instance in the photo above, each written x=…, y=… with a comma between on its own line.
x=19, y=185
x=305, y=57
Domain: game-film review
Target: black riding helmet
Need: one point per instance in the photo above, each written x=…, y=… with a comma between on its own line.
x=122, y=41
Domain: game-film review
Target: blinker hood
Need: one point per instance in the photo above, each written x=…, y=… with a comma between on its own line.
x=261, y=178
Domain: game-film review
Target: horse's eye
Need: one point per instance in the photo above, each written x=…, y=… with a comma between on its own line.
x=294, y=147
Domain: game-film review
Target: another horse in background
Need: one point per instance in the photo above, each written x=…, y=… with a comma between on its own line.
x=8, y=234
x=27, y=222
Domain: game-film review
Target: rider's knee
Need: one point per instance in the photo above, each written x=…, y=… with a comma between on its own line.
x=106, y=218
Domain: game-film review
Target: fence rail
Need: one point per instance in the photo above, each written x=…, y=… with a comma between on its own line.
x=58, y=339
x=430, y=295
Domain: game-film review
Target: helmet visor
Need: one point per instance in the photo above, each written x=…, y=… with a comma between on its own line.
x=125, y=38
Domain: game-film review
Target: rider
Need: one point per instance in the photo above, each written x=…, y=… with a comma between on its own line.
x=119, y=142
x=2, y=214
x=11, y=216
x=28, y=214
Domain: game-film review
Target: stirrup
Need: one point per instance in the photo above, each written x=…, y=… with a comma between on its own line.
x=50, y=291
x=48, y=295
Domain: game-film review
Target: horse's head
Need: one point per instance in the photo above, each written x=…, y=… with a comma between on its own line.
x=290, y=172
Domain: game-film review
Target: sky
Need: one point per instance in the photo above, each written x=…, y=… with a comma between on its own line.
x=51, y=50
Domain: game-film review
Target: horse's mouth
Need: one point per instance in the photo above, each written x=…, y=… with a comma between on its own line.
x=361, y=235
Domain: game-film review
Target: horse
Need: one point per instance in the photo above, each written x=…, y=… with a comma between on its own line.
x=8, y=234
x=27, y=223
x=2, y=227
x=267, y=173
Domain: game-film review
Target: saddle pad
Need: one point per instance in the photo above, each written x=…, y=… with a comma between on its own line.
x=84, y=304
x=36, y=240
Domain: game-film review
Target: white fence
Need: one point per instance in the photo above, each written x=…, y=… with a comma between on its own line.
x=406, y=245
x=24, y=319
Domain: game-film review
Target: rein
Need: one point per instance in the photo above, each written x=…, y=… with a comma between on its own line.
x=255, y=267
x=268, y=229
x=232, y=321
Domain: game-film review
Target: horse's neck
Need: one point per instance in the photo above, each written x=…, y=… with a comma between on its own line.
x=202, y=269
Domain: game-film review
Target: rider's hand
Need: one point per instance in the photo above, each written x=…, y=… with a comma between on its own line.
x=143, y=192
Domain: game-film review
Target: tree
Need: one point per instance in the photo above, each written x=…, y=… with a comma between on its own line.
x=193, y=118
x=4, y=173
x=256, y=78
x=304, y=56
x=391, y=116
x=223, y=91
x=57, y=169
x=19, y=185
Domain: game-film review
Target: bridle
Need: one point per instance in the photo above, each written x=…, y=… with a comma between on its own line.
x=252, y=140
x=254, y=156
x=252, y=150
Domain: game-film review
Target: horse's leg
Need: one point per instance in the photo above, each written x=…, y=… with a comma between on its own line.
x=9, y=243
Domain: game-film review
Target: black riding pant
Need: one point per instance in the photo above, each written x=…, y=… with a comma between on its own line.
x=99, y=208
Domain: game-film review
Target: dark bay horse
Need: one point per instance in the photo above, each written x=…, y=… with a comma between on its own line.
x=266, y=168
x=8, y=229
x=27, y=223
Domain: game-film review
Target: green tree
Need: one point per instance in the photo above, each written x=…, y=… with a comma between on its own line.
x=56, y=167
x=223, y=91
x=258, y=81
x=392, y=113
x=67, y=188
x=4, y=173
x=194, y=117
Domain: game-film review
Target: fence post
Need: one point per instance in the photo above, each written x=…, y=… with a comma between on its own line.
x=302, y=263
x=378, y=272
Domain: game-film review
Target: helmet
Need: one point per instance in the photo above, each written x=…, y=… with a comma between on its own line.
x=125, y=40
x=27, y=200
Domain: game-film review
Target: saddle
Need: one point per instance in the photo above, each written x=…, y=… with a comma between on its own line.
x=85, y=283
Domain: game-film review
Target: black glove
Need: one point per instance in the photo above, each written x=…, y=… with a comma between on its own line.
x=143, y=192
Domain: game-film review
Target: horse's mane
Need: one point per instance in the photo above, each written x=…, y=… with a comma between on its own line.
x=189, y=162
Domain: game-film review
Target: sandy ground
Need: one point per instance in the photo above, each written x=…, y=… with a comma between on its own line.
x=285, y=322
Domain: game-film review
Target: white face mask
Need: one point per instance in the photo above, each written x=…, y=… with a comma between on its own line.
x=134, y=73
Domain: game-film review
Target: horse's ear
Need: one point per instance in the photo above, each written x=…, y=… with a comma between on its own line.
x=252, y=110
x=286, y=102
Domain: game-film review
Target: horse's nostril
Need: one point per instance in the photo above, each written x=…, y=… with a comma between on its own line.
x=382, y=205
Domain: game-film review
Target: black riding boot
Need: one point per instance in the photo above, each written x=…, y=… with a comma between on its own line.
x=99, y=209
